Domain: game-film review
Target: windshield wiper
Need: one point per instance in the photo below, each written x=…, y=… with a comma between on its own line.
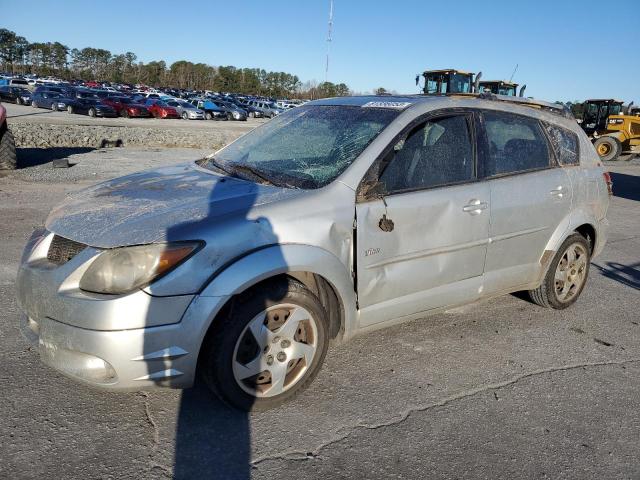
x=252, y=172
x=217, y=165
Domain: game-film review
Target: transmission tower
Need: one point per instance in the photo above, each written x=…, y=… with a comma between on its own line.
x=326, y=66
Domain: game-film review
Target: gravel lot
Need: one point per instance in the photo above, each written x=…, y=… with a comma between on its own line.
x=36, y=127
x=500, y=389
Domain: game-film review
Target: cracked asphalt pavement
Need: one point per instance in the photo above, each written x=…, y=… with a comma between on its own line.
x=498, y=389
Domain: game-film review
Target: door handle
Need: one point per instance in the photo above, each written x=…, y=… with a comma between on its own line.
x=558, y=192
x=475, y=207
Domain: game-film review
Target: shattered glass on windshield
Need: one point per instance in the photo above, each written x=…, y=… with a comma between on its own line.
x=306, y=147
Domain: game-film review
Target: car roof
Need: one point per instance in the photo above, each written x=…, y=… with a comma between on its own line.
x=402, y=102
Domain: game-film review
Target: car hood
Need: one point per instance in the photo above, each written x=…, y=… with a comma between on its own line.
x=170, y=203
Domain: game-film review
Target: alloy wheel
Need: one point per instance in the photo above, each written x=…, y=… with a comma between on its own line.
x=571, y=272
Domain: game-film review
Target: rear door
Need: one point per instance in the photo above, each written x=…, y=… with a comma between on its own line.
x=530, y=196
x=422, y=245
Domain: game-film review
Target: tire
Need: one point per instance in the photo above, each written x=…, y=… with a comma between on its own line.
x=8, y=158
x=19, y=101
x=54, y=107
x=92, y=112
x=208, y=116
x=230, y=340
x=546, y=295
x=608, y=148
x=69, y=109
x=229, y=116
x=124, y=113
x=185, y=116
x=252, y=114
x=33, y=104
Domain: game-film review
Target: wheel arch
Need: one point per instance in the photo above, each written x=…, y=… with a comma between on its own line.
x=319, y=270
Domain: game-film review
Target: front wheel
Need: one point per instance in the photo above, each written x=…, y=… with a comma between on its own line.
x=19, y=101
x=185, y=116
x=208, y=116
x=608, y=148
x=567, y=275
x=268, y=346
x=92, y=112
x=54, y=107
x=69, y=109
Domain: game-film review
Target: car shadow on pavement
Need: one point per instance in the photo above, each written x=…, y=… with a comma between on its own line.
x=628, y=275
x=31, y=157
x=626, y=186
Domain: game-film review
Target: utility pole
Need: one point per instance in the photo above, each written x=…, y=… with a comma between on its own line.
x=326, y=67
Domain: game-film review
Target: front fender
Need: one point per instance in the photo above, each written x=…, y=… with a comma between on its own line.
x=268, y=262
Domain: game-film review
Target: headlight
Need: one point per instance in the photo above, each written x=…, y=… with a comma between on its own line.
x=121, y=270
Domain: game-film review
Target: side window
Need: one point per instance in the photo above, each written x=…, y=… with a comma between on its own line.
x=437, y=152
x=565, y=144
x=516, y=144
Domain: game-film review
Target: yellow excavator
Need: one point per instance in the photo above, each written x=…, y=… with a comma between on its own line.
x=613, y=129
x=502, y=87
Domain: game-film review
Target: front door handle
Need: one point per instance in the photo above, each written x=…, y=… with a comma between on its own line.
x=475, y=207
x=558, y=192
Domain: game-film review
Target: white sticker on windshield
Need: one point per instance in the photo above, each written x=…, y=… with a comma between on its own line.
x=396, y=105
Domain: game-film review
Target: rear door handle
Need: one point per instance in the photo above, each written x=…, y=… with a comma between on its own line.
x=558, y=192
x=475, y=207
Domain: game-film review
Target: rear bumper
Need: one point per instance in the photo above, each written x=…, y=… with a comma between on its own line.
x=602, y=235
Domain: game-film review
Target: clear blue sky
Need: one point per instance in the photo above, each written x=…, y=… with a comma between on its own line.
x=566, y=50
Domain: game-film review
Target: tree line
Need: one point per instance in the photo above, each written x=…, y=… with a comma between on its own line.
x=19, y=56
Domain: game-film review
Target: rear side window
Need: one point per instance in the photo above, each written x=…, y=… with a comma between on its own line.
x=438, y=152
x=516, y=144
x=565, y=144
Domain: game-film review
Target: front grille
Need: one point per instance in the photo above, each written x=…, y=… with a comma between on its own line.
x=62, y=250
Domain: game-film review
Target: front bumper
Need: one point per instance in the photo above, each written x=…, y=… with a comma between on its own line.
x=120, y=342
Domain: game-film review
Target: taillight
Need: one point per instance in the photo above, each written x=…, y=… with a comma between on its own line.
x=609, y=182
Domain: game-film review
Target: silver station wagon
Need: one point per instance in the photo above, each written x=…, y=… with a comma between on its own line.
x=338, y=217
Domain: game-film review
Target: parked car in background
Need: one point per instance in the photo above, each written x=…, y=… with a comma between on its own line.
x=8, y=157
x=92, y=107
x=160, y=109
x=17, y=95
x=210, y=109
x=252, y=111
x=186, y=110
x=14, y=81
x=65, y=91
x=234, y=112
x=51, y=100
x=268, y=109
x=127, y=107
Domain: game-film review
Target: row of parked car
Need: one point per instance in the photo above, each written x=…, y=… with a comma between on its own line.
x=111, y=103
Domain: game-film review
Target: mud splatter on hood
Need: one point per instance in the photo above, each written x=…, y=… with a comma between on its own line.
x=169, y=203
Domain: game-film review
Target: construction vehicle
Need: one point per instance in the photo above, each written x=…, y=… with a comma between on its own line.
x=501, y=87
x=440, y=82
x=613, y=130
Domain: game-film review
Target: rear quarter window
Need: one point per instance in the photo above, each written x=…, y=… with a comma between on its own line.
x=564, y=143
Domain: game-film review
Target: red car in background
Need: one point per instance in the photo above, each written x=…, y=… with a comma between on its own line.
x=127, y=107
x=159, y=109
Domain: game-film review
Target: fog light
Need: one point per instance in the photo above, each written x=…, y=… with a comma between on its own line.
x=77, y=364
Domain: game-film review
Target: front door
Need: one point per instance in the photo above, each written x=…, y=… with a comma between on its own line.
x=422, y=245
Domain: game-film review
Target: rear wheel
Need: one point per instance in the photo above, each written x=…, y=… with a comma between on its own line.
x=608, y=148
x=19, y=101
x=124, y=113
x=54, y=107
x=208, y=116
x=92, y=112
x=8, y=158
x=268, y=346
x=69, y=109
x=567, y=275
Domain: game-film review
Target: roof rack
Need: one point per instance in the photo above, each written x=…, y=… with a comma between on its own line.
x=555, y=108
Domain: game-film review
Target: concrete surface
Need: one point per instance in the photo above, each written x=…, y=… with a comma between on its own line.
x=500, y=389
